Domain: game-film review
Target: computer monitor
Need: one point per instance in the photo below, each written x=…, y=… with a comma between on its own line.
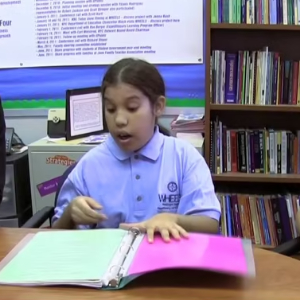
x=84, y=113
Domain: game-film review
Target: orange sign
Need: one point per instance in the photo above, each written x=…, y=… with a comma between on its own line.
x=60, y=160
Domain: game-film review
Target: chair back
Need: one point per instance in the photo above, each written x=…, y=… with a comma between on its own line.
x=164, y=130
x=63, y=179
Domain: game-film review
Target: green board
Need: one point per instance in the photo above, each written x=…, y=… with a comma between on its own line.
x=61, y=103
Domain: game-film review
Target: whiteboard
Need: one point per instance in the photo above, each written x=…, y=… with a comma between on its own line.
x=37, y=33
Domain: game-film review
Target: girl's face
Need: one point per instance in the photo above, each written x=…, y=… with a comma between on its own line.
x=130, y=116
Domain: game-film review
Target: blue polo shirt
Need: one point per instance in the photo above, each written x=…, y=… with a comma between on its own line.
x=166, y=175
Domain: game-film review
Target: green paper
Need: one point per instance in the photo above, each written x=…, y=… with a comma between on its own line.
x=64, y=256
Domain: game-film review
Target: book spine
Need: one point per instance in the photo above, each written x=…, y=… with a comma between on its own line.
x=284, y=216
x=231, y=74
x=273, y=12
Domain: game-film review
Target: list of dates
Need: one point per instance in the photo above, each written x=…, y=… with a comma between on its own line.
x=85, y=27
x=36, y=33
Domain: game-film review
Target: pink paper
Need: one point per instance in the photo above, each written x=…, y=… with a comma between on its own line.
x=199, y=251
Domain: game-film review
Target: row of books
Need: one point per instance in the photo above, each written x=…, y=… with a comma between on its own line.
x=268, y=220
x=265, y=151
x=254, y=77
x=272, y=12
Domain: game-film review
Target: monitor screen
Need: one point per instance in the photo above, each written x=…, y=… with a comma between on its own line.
x=84, y=113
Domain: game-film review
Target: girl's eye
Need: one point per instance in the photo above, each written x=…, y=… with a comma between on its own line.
x=110, y=110
x=132, y=109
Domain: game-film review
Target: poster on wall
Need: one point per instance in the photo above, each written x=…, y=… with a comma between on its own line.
x=38, y=33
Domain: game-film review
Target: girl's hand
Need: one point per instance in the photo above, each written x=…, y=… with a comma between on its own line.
x=83, y=211
x=166, y=224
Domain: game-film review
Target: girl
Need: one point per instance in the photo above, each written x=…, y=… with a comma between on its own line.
x=138, y=177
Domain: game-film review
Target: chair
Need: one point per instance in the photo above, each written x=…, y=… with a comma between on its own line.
x=289, y=248
x=46, y=213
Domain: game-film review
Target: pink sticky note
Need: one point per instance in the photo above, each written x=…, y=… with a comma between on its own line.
x=199, y=251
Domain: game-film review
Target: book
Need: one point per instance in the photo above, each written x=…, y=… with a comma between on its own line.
x=112, y=258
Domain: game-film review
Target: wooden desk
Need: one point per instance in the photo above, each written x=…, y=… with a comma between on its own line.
x=278, y=277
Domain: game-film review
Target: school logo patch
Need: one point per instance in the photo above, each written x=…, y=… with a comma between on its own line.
x=172, y=187
x=169, y=201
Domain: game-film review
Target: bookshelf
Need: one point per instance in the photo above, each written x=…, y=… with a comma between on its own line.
x=232, y=38
x=255, y=115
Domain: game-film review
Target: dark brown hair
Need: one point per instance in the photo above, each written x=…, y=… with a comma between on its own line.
x=140, y=74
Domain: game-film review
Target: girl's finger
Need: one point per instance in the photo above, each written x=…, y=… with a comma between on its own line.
x=182, y=231
x=150, y=234
x=165, y=234
x=81, y=219
x=175, y=233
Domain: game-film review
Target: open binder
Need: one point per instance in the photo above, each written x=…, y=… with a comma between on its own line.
x=119, y=267
x=111, y=258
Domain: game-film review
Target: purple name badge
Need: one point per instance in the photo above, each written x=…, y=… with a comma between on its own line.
x=48, y=187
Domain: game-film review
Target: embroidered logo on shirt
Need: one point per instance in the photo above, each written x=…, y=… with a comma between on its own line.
x=172, y=187
x=168, y=202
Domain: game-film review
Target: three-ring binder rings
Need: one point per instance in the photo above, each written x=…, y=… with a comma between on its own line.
x=111, y=258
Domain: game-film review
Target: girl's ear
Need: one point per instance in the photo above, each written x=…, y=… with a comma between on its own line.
x=159, y=106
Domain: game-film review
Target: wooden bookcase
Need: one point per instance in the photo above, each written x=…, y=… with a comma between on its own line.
x=231, y=38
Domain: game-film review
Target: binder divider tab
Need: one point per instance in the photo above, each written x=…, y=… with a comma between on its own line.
x=117, y=269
